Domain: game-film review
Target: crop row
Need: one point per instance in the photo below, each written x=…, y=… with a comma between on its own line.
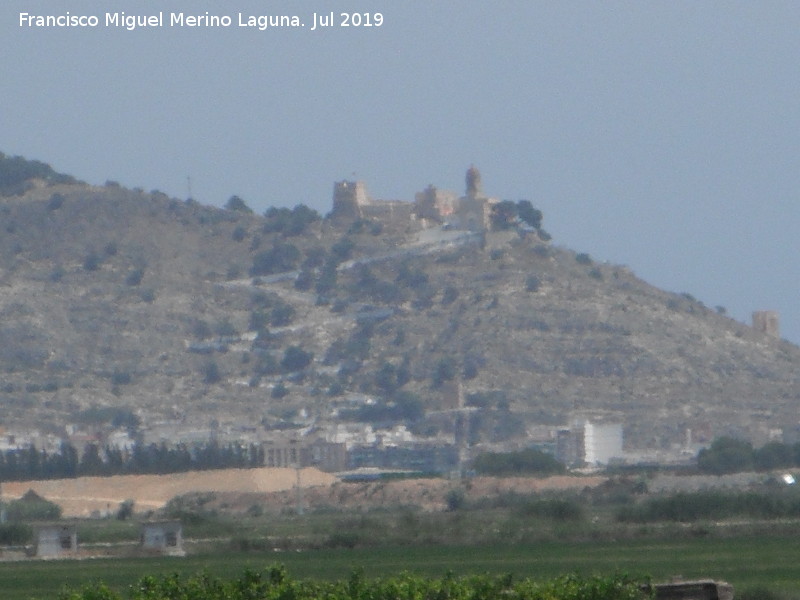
x=274, y=583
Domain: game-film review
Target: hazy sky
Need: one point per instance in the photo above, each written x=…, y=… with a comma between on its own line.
x=660, y=135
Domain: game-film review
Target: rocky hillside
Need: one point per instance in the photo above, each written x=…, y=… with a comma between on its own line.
x=118, y=302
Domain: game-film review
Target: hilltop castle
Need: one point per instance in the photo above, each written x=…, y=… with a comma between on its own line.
x=470, y=212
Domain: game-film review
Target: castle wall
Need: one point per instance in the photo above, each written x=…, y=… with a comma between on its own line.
x=387, y=209
x=472, y=214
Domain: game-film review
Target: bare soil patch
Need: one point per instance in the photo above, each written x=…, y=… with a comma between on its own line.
x=84, y=496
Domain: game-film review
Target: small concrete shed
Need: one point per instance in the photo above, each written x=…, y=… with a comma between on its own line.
x=56, y=541
x=165, y=537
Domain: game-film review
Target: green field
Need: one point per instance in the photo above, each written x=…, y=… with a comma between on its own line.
x=746, y=562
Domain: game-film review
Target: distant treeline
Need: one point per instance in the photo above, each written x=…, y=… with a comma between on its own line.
x=730, y=455
x=32, y=463
x=524, y=462
x=687, y=507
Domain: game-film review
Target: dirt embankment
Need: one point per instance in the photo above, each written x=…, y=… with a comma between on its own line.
x=423, y=494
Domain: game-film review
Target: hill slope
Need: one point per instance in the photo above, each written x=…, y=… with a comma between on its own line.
x=118, y=303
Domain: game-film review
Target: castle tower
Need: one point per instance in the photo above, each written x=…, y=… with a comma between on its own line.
x=767, y=322
x=474, y=183
x=473, y=212
x=434, y=204
x=348, y=199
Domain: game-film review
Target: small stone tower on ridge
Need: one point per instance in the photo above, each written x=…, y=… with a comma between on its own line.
x=767, y=322
x=474, y=183
x=348, y=199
